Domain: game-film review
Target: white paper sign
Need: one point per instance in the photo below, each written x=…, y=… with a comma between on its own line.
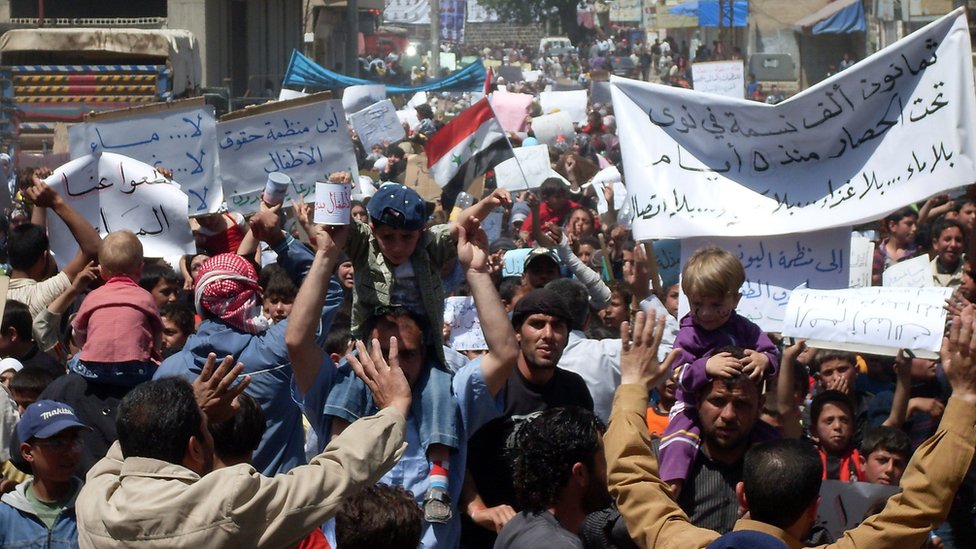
x=609, y=176
x=115, y=193
x=910, y=273
x=862, y=258
x=776, y=264
x=571, y=102
x=462, y=317
x=377, y=123
x=527, y=170
x=876, y=320
x=719, y=77
x=183, y=140
x=355, y=98
x=548, y=127
x=333, y=204
x=306, y=142
x=895, y=128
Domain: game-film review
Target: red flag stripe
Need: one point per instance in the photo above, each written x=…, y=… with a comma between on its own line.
x=458, y=130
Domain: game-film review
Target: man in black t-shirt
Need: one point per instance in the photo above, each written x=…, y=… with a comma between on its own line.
x=542, y=321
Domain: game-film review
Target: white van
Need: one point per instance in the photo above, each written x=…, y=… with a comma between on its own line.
x=557, y=45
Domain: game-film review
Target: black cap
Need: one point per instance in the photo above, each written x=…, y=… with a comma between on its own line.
x=542, y=301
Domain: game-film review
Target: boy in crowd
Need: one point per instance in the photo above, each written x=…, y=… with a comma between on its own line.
x=832, y=425
x=899, y=244
x=885, y=452
x=161, y=281
x=40, y=511
x=17, y=340
x=178, y=325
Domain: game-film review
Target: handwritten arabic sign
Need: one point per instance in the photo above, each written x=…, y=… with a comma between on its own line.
x=115, y=193
x=305, y=142
x=911, y=273
x=182, y=139
x=514, y=261
x=668, y=253
x=862, y=256
x=461, y=315
x=776, y=264
x=895, y=128
x=875, y=319
x=377, y=123
x=527, y=170
x=719, y=77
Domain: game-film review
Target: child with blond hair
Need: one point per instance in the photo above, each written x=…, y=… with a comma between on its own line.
x=711, y=279
x=118, y=326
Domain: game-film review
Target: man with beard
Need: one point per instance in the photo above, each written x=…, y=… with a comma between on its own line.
x=560, y=477
x=728, y=409
x=542, y=321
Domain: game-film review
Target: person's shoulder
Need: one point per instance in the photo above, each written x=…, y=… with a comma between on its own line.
x=64, y=387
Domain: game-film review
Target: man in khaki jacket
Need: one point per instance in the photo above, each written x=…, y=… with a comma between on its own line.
x=781, y=491
x=157, y=487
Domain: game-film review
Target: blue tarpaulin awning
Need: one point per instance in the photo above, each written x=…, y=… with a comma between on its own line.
x=837, y=17
x=302, y=72
x=714, y=13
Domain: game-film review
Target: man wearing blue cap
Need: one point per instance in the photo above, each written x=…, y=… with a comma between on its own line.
x=40, y=512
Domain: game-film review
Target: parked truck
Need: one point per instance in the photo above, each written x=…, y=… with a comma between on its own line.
x=51, y=75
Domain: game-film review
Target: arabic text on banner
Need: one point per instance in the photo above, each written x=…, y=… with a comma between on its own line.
x=895, y=128
x=306, y=142
x=776, y=264
x=876, y=319
x=377, y=124
x=182, y=140
x=114, y=193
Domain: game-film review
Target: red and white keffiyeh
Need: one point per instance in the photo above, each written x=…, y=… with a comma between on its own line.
x=227, y=286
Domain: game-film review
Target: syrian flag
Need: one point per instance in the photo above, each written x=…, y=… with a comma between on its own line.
x=467, y=147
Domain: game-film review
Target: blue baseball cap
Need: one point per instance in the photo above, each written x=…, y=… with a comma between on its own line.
x=398, y=206
x=46, y=418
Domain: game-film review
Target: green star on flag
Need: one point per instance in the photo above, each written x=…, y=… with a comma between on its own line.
x=456, y=159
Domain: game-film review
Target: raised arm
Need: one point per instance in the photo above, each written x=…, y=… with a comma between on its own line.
x=305, y=320
x=785, y=381
x=497, y=365
x=85, y=235
x=480, y=209
x=903, y=386
x=940, y=464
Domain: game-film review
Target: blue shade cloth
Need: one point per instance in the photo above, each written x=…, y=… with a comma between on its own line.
x=709, y=14
x=303, y=72
x=846, y=21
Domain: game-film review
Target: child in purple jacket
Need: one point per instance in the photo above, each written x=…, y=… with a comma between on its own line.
x=711, y=279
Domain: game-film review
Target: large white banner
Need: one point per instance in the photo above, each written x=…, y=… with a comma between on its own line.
x=306, y=142
x=896, y=128
x=181, y=139
x=114, y=193
x=775, y=265
x=572, y=102
x=875, y=320
x=719, y=77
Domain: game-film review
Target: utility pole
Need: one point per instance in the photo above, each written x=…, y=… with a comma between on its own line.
x=435, y=38
x=352, y=38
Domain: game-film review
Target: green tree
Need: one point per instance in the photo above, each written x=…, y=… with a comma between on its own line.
x=539, y=11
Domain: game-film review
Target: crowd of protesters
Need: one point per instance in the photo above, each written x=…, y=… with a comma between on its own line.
x=293, y=384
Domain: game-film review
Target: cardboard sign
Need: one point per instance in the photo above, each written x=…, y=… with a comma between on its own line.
x=113, y=193
x=419, y=179
x=305, y=139
x=377, y=124
x=910, y=273
x=549, y=127
x=461, y=316
x=180, y=136
x=527, y=170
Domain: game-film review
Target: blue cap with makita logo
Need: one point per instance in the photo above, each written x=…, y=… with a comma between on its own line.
x=398, y=206
x=46, y=418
